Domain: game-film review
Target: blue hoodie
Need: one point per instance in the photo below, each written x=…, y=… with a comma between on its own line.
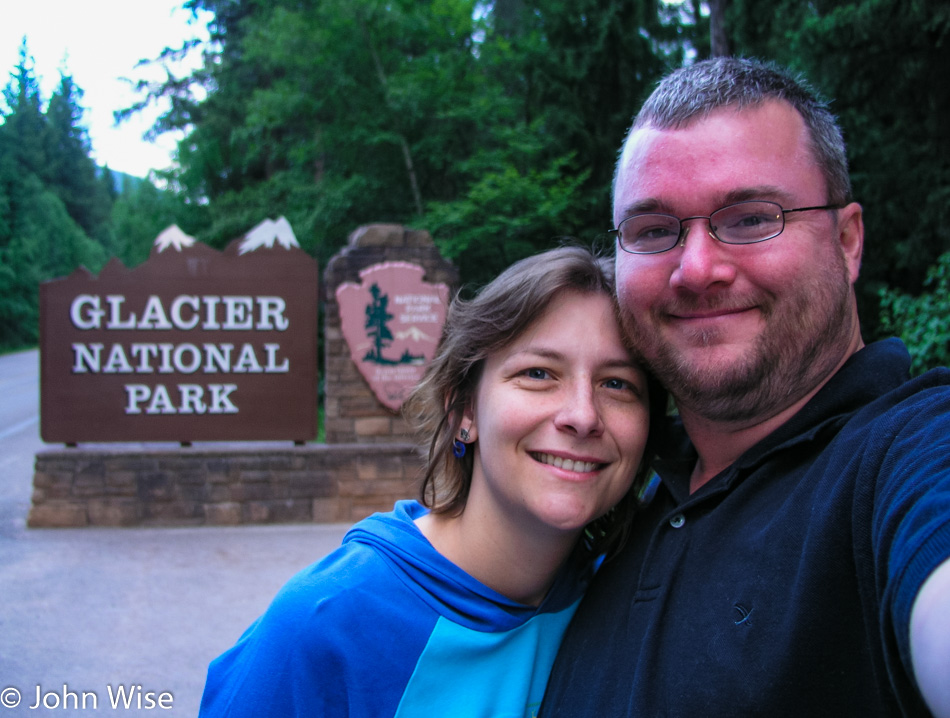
x=386, y=626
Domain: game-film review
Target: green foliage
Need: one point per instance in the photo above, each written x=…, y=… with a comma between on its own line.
x=333, y=114
x=45, y=242
x=57, y=210
x=141, y=212
x=558, y=84
x=19, y=311
x=923, y=322
x=70, y=172
x=38, y=237
x=493, y=126
x=24, y=124
x=528, y=209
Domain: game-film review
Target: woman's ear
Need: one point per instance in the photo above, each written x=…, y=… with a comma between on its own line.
x=468, y=425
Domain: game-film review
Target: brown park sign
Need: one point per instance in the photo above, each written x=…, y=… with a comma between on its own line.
x=193, y=345
x=392, y=321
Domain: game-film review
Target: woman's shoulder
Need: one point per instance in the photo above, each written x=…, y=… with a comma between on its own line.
x=358, y=570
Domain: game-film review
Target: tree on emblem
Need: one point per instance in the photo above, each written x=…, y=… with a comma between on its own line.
x=377, y=329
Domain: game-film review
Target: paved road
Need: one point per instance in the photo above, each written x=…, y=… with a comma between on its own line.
x=95, y=608
x=19, y=434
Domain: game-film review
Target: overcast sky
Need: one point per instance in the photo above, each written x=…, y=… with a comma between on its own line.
x=99, y=42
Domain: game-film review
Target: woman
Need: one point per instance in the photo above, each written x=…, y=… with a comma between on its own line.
x=455, y=606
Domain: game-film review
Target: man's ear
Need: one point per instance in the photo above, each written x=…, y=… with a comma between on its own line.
x=851, y=238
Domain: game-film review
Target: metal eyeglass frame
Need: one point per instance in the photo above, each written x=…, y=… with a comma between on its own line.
x=712, y=230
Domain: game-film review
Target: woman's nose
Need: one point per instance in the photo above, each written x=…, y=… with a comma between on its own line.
x=580, y=413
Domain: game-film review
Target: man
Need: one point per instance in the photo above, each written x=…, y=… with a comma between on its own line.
x=795, y=558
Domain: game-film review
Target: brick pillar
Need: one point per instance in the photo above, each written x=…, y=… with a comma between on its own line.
x=353, y=413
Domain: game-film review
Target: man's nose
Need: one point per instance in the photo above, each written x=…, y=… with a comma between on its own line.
x=704, y=261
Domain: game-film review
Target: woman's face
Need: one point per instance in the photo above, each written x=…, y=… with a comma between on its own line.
x=560, y=419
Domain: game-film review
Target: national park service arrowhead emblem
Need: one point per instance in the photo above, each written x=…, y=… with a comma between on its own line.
x=392, y=321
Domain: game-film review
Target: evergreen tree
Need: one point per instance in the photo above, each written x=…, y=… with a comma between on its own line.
x=71, y=173
x=45, y=243
x=377, y=325
x=24, y=122
x=50, y=199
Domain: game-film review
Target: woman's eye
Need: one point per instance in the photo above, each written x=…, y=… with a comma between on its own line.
x=616, y=384
x=536, y=373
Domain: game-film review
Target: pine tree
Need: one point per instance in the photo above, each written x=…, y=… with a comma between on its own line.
x=72, y=173
x=377, y=325
x=24, y=121
x=48, y=191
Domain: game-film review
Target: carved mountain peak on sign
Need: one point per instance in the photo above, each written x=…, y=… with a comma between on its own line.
x=173, y=237
x=79, y=272
x=113, y=268
x=416, y=335
x=267, y=235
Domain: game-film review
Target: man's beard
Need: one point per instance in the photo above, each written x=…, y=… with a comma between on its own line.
x=803, y=341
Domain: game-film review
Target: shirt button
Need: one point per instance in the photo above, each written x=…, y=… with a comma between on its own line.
x=677, y=521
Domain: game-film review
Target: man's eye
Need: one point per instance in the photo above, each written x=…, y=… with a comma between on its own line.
x=651, y=234
x=749, y=220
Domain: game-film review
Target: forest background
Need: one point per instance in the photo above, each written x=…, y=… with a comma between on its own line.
x=494, y=125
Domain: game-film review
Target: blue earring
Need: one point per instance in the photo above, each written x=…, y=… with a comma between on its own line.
x=458, y=447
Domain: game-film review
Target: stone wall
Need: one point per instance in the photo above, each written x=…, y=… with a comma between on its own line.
x=353, y=413
x=117, y=485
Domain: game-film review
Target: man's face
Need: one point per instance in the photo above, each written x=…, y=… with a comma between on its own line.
x=737, y=333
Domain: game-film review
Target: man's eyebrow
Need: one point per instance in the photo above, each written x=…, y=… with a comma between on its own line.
x=644, y=205
x=770, y=193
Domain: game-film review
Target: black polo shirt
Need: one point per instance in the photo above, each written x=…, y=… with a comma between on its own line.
x=783, y=587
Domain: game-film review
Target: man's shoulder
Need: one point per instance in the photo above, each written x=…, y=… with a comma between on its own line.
x=873, y=385
x=922, y=397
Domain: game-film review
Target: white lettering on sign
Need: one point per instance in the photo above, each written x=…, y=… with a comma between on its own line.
x=180, y=358
x=190, y=399
x=186, y=312
x=417, y=308
x=238, y=311
x=177, y=319
x=85, y=312
x=417, y=299
x=115, y=313
x=419, y=318
x=228, y=313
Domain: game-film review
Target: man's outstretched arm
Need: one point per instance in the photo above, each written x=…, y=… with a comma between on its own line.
x=930, y=640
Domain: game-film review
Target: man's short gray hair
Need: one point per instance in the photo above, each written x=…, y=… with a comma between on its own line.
x=691, y=93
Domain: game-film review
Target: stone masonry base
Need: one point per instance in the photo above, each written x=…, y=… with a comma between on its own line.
x=239, y=484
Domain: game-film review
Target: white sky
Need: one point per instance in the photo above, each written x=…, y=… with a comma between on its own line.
x=99, y=42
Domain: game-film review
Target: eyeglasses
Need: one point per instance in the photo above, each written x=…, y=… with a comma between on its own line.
x=739, y=223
